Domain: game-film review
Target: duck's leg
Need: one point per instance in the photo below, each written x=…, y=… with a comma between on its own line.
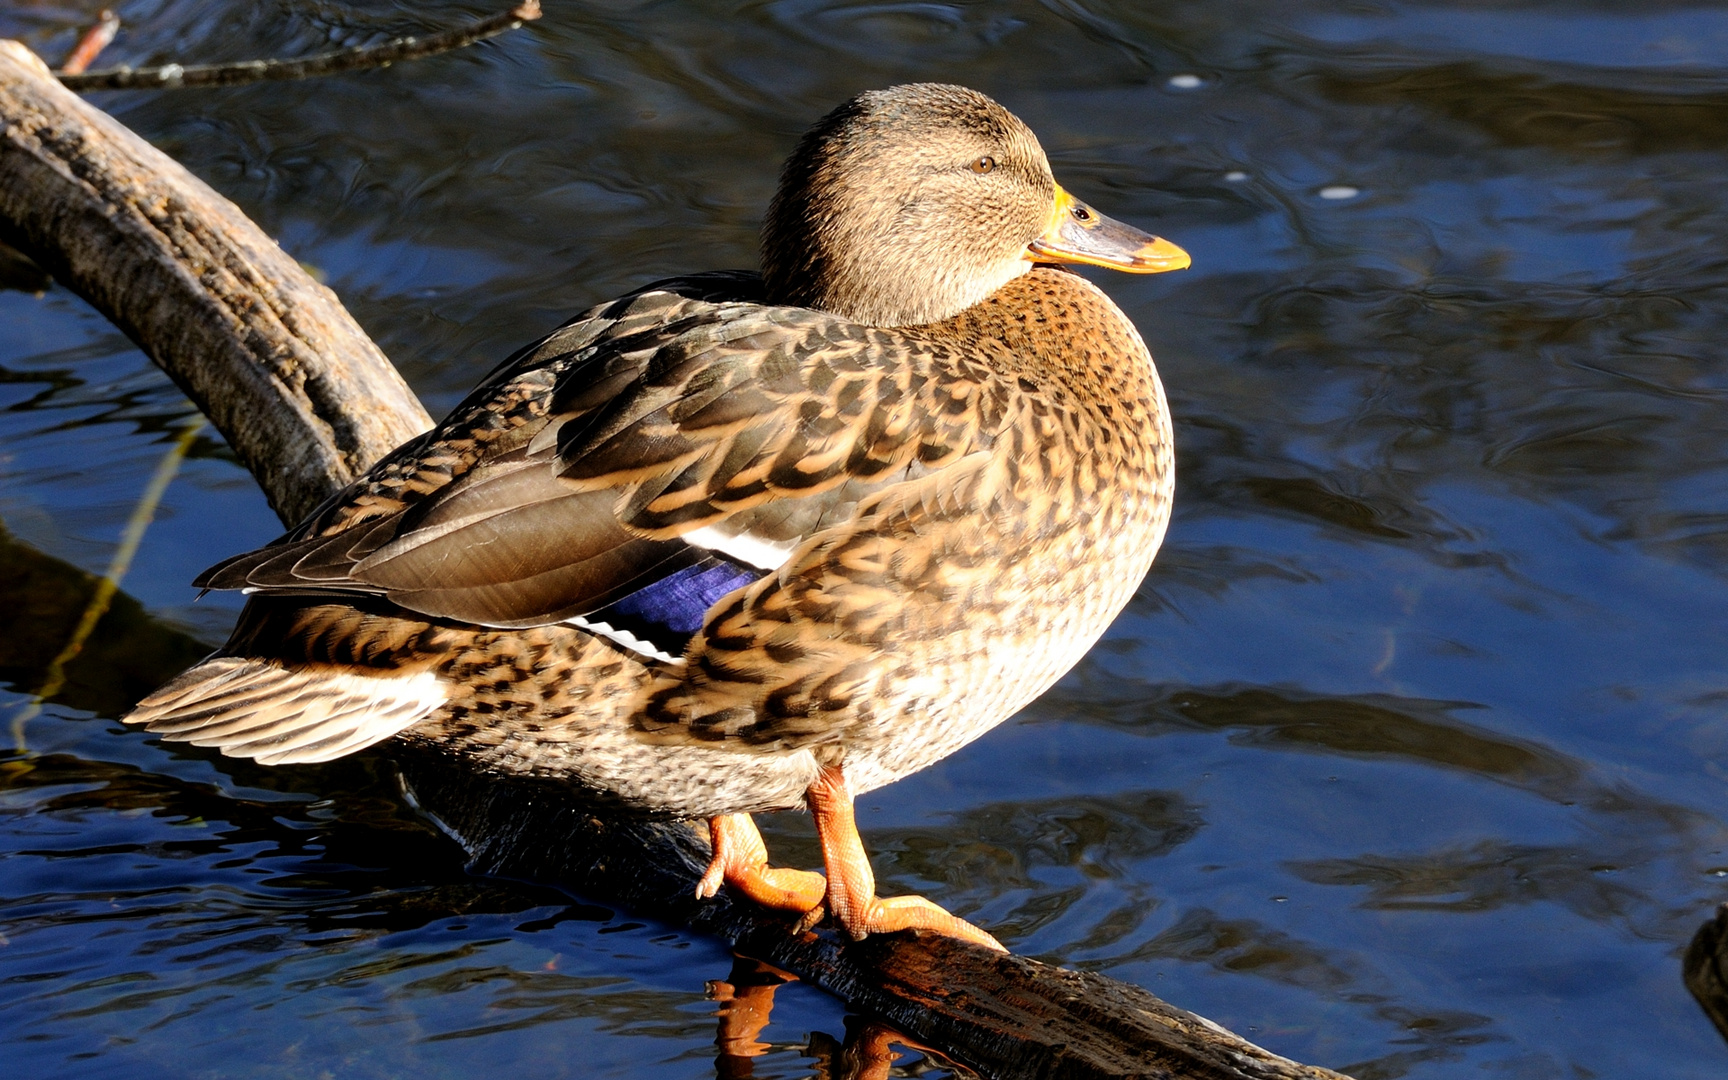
x=740, y=860
x=852, y=898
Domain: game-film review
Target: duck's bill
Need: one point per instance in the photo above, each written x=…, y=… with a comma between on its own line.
x=1080, y=234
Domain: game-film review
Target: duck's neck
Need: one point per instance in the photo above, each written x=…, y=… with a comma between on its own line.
x=895, y=286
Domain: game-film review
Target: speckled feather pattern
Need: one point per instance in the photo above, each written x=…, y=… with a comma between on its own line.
x=973, y=501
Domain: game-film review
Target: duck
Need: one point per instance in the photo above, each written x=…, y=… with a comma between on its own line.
x=743, y=542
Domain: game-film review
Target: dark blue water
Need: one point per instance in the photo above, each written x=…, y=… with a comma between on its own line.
x=1410, y=756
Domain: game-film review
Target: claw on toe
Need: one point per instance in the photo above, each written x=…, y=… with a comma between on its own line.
x=892, y=913
x=709, y=884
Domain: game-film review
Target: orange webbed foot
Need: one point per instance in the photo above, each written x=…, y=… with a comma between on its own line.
x=740, y=861
x=851, y=886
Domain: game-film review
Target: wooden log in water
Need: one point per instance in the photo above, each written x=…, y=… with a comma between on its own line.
x=269, y=355
x=308, y=401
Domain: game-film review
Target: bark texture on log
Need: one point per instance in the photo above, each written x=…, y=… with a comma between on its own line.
x=1706, y=969
x=308, y=401
x=270, y=356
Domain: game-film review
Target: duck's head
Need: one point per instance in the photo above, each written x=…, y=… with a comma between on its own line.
x=908, y=205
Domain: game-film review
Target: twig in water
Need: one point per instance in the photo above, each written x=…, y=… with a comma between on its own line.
x=55, y=676
x=98, y=37
x=363, y=56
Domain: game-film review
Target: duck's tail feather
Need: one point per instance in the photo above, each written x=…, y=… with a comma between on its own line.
x=282, y=715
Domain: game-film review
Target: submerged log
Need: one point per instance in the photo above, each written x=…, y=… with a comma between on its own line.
x=308, y=401
x=1706, y=969
x=128, y=654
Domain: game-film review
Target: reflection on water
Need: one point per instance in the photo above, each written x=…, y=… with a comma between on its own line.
x=1409, y=758
x=871, y=1050
x=294, y=920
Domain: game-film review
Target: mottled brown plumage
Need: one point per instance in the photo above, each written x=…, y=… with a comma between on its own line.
x=916, y=475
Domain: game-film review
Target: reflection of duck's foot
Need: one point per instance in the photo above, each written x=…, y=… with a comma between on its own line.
x=740, y=861
x=868, y=1053
x=746, y=1002
x=851, y=895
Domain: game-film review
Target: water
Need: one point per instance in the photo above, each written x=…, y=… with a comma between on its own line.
x=1409, y=757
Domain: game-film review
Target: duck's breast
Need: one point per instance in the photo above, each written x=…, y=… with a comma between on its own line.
x=952, y=599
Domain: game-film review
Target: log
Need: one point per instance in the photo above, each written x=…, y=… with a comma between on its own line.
x=1003, y=1015
x=269, y=355
x=1706, y=969
x=308, y=401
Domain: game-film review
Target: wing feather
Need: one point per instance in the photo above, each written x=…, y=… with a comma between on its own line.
x=627, y=446
x=278, y=715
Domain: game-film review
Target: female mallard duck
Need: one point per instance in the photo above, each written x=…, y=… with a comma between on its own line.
x=736, y=543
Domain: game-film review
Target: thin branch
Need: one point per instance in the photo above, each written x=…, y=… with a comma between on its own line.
x=249, y=71
x=94, y=40
x=108, y=586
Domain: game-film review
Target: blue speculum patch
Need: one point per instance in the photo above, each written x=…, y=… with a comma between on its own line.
x=670, y=610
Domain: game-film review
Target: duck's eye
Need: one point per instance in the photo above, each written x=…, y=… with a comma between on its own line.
x=1081, y=213
x=983, y=164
